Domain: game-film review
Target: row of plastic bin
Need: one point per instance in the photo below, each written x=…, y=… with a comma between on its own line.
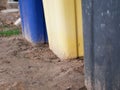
x=63, y=21
x=101, y=24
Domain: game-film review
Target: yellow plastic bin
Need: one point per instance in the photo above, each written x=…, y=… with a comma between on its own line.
x=79, y=28
x=62, y=26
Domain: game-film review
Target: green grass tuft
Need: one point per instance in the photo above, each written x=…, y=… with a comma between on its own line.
x=7, y=33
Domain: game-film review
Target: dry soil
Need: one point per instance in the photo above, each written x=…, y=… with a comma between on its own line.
x=27, y=67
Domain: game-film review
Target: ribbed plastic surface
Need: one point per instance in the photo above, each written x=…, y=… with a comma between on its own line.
x=79, y=26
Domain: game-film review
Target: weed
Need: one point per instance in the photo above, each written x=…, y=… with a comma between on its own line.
x=7, y=33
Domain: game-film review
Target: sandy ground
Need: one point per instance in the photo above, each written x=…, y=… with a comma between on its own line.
x=27, y=67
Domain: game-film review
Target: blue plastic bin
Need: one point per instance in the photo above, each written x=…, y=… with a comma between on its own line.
x=33, y=21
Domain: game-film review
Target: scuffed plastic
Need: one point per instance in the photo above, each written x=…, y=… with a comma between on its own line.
x=101, y=21
x=62, y=26
x=33, y=22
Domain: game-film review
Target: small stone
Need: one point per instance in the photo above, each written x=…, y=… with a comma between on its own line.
x=68, y=88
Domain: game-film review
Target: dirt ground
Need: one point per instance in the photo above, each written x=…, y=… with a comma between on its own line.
x=27, y=67
x=7, y=21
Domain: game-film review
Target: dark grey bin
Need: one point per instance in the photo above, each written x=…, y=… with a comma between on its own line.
x=101, y=23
